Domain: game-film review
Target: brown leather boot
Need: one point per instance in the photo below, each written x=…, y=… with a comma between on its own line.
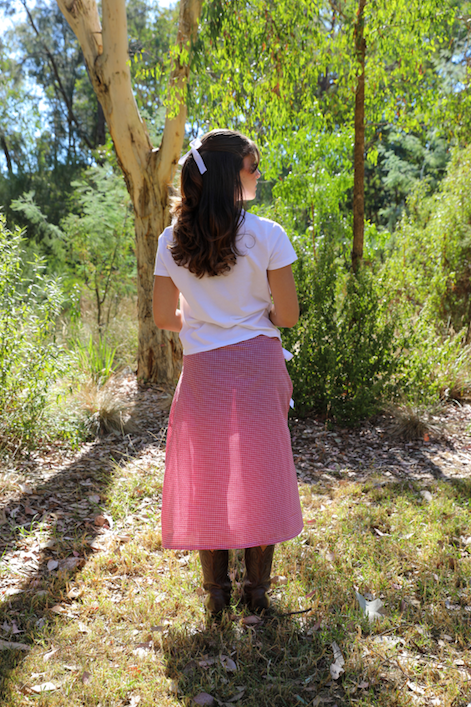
x=216, y=580
x=258, y=561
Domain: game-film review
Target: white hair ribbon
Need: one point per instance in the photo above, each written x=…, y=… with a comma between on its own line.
x=194, y=144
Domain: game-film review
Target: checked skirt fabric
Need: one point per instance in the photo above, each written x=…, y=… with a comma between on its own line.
x=230, y=480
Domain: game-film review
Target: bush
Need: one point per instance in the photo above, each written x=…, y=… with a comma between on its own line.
x=344, y=342
x=430, y=261
x=30, y=359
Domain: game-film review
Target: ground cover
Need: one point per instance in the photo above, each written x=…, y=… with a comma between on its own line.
x=371, y=603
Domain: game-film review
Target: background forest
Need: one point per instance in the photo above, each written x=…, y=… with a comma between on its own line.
x=362, y=111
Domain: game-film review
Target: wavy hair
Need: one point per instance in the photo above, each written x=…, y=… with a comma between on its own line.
x=210, y=212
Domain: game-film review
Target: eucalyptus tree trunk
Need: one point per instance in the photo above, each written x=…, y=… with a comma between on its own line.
x=147, y=171
x=359, y=147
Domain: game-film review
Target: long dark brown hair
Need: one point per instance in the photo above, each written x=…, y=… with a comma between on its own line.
x=210, y=212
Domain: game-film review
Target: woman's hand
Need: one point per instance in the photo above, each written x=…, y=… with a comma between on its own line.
x=165, y=304
x=285, y=309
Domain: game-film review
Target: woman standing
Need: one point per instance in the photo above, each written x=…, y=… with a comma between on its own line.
x=230, y=480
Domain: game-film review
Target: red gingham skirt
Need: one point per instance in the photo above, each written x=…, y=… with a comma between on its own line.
x=230, y=480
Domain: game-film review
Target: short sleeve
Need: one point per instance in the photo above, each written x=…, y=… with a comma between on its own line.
x=162, y=256
x=282, y=252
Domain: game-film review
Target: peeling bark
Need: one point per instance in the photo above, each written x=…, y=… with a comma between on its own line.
x=147, y=171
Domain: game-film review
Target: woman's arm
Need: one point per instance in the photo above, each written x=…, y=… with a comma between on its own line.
x=285, y=309
x=165, y=303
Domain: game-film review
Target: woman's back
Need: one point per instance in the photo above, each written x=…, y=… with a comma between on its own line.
x=234, y=306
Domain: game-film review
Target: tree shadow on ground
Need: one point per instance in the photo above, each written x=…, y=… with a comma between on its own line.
x=54, y=526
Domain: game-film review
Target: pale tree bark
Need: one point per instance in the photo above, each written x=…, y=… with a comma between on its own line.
x=359, y=147
x=147, y=171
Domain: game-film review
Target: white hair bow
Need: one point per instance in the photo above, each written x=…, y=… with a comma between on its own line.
x=194, y=144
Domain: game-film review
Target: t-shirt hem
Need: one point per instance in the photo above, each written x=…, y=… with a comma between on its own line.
x=245, y=337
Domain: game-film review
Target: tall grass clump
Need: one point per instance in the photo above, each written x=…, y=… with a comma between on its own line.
x=30, y=359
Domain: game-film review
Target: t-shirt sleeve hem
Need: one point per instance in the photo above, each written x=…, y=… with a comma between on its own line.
x=161, y=271
x=283, y=263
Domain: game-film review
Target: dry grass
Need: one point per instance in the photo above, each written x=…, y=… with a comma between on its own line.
x=130, y=628
x=414, y=421
x=458, y=377
x=105, y=408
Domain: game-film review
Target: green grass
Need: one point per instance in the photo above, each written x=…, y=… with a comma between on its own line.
x=132, y=623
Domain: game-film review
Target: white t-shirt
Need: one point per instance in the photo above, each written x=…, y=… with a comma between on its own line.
x=232, y=307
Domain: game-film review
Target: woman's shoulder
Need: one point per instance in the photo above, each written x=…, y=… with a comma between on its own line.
x=166, y=238
x=167, y=235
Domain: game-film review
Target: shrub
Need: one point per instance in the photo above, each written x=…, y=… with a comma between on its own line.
x=30, y=359
x=344, y=342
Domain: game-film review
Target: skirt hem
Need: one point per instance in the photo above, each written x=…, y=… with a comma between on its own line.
x=252, y=543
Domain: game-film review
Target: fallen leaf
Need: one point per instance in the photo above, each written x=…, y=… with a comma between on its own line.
x=190, y=667
x=49, y=654
x=173, y=686
x=206, y=662
x=45, y=687
x=24, y=488
x=426, y=495
x=279, y=579
x=204, y=699
x=108, y=519
x=373, y=609
x=415, y=688
x=85, y=678
x=94, y=498
x=83, y=628
x=237, y=696
x=161, y=596
x=52, y=565
x=228, y=663
x=251, y=620
x=100, y=521
x=70, y=563
x=336, y=669
x=11, y=646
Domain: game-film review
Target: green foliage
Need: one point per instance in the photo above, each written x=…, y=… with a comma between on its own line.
x=30, y=360
x=404, y=159
x=152, y=35
x=48, y=238
x=430, y=366
x=100, y=236
x=344, y=341
x=430, y=262
x=93, y=247
x=95, y=360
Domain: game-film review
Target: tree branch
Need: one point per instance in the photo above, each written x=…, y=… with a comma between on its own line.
x=174, y=129
x=71, y=115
